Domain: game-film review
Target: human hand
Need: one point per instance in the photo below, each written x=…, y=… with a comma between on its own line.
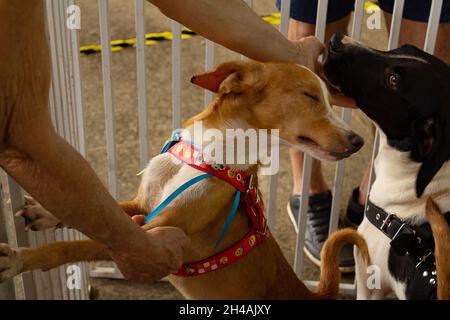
x=158, y=255
x=309, y=50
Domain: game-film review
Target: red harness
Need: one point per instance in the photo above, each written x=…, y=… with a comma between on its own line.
x=186, y=152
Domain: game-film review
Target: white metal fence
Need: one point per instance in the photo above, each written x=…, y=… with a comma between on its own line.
x=65, y=104
x=66, y=107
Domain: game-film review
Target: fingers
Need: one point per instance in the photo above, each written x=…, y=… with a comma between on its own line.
x=162, y=255
x=310, y=48
x=138, y=219
x=171, y=234
x=30, y=200
x=174, y=240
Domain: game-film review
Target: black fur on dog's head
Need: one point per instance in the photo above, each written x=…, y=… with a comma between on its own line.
x=406, y=91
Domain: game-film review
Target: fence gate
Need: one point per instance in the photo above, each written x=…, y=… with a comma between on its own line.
x=67, y=113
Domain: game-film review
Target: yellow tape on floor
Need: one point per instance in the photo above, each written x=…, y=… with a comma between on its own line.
x=153, y=38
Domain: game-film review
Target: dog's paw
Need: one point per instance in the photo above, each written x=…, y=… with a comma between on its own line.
x=11, y=262
x=36, y=217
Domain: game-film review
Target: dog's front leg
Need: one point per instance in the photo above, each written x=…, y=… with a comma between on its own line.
x=16, y=261
x=37, y=218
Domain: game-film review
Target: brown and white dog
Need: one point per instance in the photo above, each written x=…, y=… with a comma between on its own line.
x=250, y=95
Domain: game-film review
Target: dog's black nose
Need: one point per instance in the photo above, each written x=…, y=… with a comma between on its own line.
x=356, y=141
x=336, y=41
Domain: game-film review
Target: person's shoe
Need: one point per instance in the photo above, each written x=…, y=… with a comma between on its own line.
x=355, y=211
x=317, y=226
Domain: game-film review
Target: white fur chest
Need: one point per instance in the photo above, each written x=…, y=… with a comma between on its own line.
x=163, y=175
x=394, y=191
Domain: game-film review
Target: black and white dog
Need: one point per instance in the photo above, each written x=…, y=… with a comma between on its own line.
x=407, y=93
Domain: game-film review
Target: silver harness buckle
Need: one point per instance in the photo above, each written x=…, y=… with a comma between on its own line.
x=386, y=222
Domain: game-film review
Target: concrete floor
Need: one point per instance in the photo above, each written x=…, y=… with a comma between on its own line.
x=159, y=121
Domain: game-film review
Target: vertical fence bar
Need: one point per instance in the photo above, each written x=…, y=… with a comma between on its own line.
x=74, y=41
x=78, y=119
x=55, y=66
x=78, y=125
x=66, y=67
x=142, y=82
x=61, y=68
x=346, y=116
x=24, y=284
x=68, y=111
x=70, y=76
x=69, y=97
x=273, y=179
x=358, y=19
x=7, y=290
x=65, y=99
x=285, y=15
x=176, y=75
x=108, y=95
x=321, y=21
x=61, y=106
x=433, y=26
x=209, y=64
x=397, y=14
x=59, y=103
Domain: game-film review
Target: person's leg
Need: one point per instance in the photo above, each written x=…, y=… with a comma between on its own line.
x=414, y=32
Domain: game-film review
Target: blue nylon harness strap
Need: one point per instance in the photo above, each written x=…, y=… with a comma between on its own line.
x=175, y=194
x=234, y=207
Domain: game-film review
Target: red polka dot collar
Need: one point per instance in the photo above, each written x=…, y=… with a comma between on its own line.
x=187, y=153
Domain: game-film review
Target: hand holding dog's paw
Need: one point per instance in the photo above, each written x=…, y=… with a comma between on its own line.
x=36, y=217
x=161, y=255
x=11, y=262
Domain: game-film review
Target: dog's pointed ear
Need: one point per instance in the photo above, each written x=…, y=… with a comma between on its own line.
x=440, y=151
x=229, y=77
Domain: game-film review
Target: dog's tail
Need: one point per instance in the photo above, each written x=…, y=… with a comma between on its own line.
x=330, y=276
x=441, y=234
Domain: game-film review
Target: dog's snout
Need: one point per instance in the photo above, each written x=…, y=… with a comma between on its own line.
x=336, y=41
x=356, y=141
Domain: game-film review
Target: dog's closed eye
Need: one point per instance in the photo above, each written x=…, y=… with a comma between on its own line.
x=312, y=96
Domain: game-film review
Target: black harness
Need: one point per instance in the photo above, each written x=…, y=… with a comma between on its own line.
x=411, y=256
